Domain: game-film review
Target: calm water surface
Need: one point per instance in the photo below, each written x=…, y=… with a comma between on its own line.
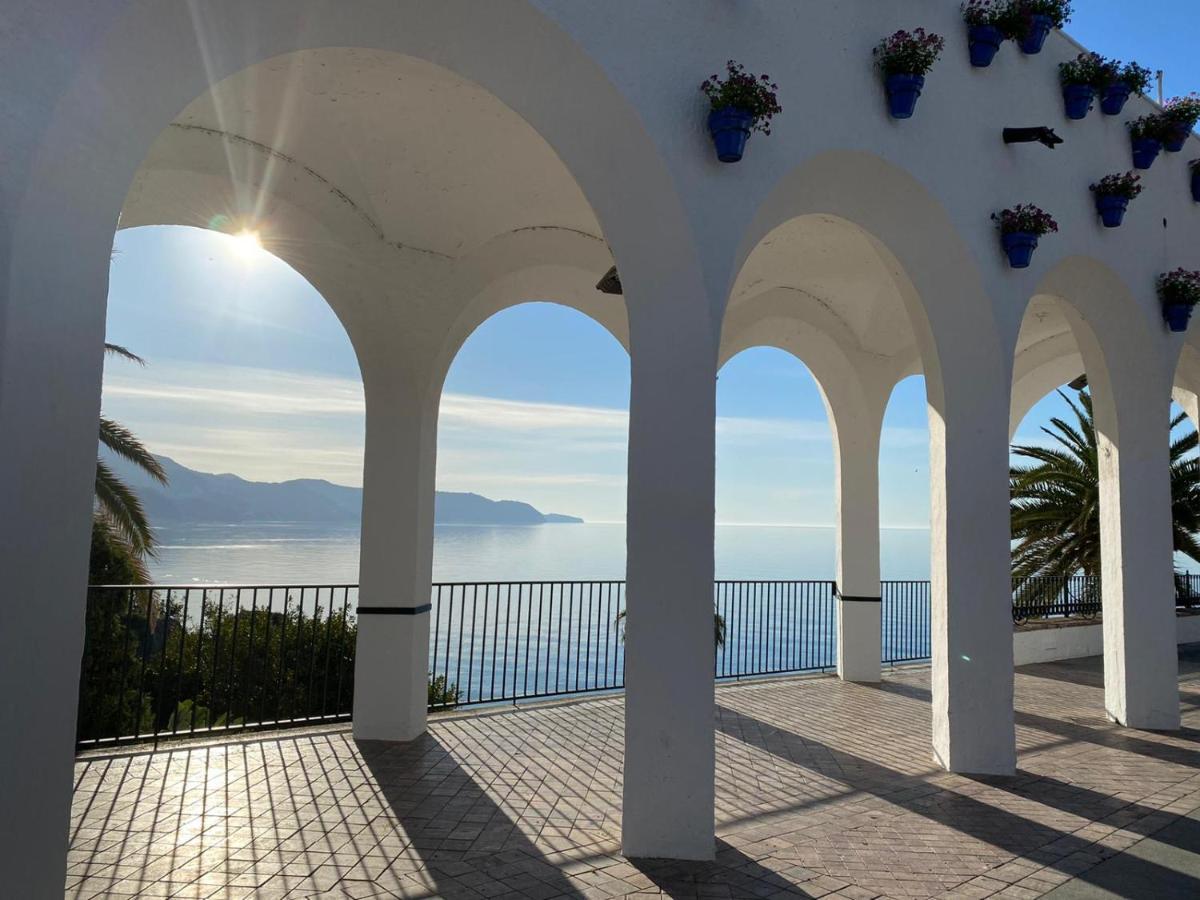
x=292, y=554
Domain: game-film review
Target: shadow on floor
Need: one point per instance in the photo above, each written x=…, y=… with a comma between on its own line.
x=467, y=844
x=731, y=874
x=967, y=815
x=1173, y=854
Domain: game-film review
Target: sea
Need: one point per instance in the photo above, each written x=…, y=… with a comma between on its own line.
x=290, y=553
x=499, y=642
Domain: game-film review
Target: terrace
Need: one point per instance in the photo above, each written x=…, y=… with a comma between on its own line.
x=424, y=166
x=824, y=788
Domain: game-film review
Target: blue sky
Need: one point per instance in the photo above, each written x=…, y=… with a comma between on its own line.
x=251, y=373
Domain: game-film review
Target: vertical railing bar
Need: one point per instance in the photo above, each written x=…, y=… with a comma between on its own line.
x=337, y=705
x=137, y=730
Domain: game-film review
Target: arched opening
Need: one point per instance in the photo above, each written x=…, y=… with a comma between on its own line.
x=894, y=289
x=775, y=528
x=1081, y=482
x=249, y=374
x=529, y=533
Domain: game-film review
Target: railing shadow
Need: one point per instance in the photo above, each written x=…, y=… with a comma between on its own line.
x=454, y=825
x=967, y=815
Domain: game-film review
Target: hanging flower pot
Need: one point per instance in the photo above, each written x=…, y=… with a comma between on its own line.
x=1078, y=99
x=1079, y=78
x=1031, y=21
x=1036, y=33
x=1113, y=194
x=1112, y=209
x=1114, y=97
x=1019, y=245
x=1145, y=152
x=905, y=58
x=983, y=43
x=740, y=104
x=1179, y=292
x=1194, y=166
x=985, y=33
x=730, y=129
x=1146, y=135
x=1181, y=115
x=903, y=91
x=1020, y=229
x=1119, y=82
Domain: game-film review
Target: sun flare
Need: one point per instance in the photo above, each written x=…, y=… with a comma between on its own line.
x=248, y=244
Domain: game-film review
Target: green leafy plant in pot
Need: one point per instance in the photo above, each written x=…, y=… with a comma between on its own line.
x=1021, y=227
x=741, y=103
x=905, y=59
x=1179, y=292
x=1181, y=115
x=1113, y=194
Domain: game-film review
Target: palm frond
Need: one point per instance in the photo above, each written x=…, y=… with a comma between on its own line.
x=121, y=441
x=120, y=506
x=123, y=353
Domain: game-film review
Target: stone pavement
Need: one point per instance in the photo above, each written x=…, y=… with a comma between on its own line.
x=823, y=789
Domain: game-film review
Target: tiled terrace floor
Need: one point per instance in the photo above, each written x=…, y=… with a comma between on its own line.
x=823, y=789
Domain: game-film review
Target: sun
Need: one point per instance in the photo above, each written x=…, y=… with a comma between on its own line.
x=248, y=244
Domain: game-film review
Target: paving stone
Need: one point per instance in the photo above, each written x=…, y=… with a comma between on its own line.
x=823, y=789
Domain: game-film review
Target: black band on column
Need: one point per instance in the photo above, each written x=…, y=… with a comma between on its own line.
x=394, y=610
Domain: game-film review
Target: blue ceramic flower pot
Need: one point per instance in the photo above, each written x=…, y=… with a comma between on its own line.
x=1019, y=245
x=1078, y=100
x=1145, y=152
x=1177, y=137
x=1035, y=35
x=1177, y=315
x=902, y=93
x=1112, y=209
x=1196, y=184
x=984, y=43
x=1114, y=98
x=730, y=129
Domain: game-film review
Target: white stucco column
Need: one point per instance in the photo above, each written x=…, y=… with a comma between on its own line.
x=1140, y=661
x=972, y=647
x=856, y=424
x=391, y=670
x=51, y=346
x=669, y=790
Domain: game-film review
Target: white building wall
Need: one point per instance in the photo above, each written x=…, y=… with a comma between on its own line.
x=1076, y=641
x=612, y=88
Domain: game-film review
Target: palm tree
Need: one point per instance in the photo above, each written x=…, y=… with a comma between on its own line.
x=1056, y=500
x=120, y=529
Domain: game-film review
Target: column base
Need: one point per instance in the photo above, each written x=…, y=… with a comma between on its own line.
x=391, y=677
x=860, y=639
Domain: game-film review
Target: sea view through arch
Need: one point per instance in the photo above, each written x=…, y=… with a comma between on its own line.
x=306, y=553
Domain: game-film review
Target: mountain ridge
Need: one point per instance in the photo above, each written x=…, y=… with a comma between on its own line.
x=194, y=497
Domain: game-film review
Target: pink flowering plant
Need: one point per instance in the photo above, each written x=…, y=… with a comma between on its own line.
x=1181, y=286
x=909, y=52
x=1025, y=219
x=1087, y=68
x=984, y=12
x=1136, y=77
x=1155, y=128
x=1183, y=110
x=1128, y=185
x=1022, y=11
x=741, y=90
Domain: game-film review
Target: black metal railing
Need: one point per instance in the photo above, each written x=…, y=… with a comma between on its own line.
x=164, y=660
x=169, y=661
x=905, y=620
x=1187, y=591
x=505, y=641
x=1054, y=597
x=774, y=627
